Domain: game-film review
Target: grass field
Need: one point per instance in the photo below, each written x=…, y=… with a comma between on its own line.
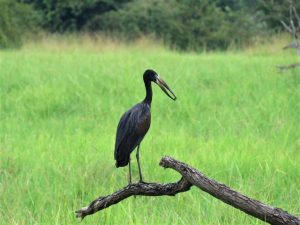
x=236, y=119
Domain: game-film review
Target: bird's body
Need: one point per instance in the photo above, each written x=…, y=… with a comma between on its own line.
x=129, y=137
x=135, y=123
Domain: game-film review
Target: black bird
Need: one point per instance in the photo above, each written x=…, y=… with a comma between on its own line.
x=135, y=123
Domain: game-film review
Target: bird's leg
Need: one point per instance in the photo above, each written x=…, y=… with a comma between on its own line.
x=129, y=172
x=138, y=160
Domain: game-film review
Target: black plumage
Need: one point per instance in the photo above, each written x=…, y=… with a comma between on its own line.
x=128, y=137
x=135, y=123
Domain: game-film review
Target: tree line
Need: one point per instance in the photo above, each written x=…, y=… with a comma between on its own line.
x=180, y=24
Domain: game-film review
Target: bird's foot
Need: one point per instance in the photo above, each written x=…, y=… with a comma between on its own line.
x=142, y=182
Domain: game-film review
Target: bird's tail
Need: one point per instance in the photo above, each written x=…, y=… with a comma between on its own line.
x=121, y=162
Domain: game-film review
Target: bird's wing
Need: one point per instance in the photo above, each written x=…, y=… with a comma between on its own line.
x=130, y=132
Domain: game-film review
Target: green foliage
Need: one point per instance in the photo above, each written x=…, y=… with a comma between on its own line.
x=138, y=18
x=17, y=20
x=71, y=15
x=205, y=25
x=183, y=25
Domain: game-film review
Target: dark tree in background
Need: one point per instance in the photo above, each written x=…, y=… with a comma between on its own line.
x=16, y=19
x=66, y=15
x=185, y=24
x=181, y=24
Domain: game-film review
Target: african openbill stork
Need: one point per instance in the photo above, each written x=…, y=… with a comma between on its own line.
x=135, y=123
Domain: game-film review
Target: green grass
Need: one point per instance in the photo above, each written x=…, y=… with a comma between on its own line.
x=236, y=120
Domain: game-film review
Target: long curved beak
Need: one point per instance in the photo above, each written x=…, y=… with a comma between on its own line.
x=163, y=85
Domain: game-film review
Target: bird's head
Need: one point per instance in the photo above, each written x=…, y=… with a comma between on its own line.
x=151, y=75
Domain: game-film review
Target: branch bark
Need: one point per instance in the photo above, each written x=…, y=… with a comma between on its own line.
x=146, y=189
x=191, y=176
x=222, y=192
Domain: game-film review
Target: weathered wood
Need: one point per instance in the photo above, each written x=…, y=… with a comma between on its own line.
x=284, y=68
x=191, y=176
x=146, y=189
x=250, y=206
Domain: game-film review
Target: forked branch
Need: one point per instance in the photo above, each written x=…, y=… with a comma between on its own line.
x=294, y=23
x=294, y=28
x=191, y=176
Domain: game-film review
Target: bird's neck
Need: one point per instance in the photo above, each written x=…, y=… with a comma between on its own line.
x=148, y=98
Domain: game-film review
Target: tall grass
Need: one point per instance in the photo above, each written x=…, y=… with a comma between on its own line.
x=236, y=119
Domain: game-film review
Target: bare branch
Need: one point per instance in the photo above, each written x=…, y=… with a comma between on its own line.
x=291, y=17
x=296, y=15
x=294, y=31
x=291, y=66
x=292, y=45
x=191, y=176
x=146, y=189
x=222, y=192
x=287, y=27
x=291, y=27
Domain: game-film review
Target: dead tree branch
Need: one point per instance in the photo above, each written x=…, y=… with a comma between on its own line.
x=284, y=68
x=293, y=28
x=191, y=176
x=146, y=189
x=294, y=19
x=222, y=192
